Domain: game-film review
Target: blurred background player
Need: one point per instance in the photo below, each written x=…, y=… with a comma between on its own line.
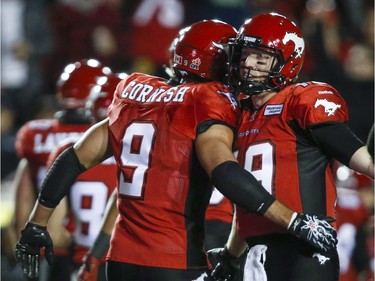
x=219, y=213
x=37, y=138
x=93, y=260
x=354, y=216
x=88, y=196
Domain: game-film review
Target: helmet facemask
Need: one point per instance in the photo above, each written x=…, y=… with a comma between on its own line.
x=263, y=76
x=276, y=36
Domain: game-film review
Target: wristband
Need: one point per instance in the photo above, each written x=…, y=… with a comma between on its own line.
x=292, y=219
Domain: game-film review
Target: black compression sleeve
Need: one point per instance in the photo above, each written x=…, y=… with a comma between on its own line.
x=101, y=245
x=370, y=142
x=337, y=140
x=241, y=187
x=60, y=178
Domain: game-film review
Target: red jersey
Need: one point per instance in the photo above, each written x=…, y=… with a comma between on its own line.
x=276, y=147
x=88, y=198
x=163, y=191
x=36, y=139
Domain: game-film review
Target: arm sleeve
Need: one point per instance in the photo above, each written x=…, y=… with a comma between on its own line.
x=101, y=245
x=370, y=142
x=241, y=187
x=60, y=178
x=337, y=140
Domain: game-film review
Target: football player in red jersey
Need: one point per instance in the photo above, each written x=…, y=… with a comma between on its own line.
x=219, y=213
x=171, y=143
x=37, y=138
x=287, y=137
x=88, y=196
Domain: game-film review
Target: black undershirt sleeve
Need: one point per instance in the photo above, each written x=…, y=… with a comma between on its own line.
x=204, y=126
x=101, y=245
x=60, y=178
x=370, y=142
x=241, y=187
x=337, y=140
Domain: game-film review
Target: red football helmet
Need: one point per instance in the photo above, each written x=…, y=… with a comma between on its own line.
x=101, y=95
x=76, y=81
x=199, y=53
x=272, y=35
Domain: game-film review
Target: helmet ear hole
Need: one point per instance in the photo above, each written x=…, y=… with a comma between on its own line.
x=294, y=67
x=281, y=79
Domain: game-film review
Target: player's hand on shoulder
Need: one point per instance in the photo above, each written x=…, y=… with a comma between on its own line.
x=315, y=230
x=227, y=267
x=89, y=269
x=27, y=251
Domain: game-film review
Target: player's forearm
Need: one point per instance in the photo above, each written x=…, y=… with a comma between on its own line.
x=22, y=213
x=40, y=214
x=361, y=162
x=110, y=214
x=279, y=214
x=236, y=245
x=241, y=187
x=25, y=195
x=61, y=238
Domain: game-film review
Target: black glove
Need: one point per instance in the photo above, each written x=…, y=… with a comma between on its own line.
x=227, y=267
x=315, y=230
x=33, y=237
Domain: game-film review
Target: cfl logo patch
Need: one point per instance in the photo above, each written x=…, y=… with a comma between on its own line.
x=195, y=63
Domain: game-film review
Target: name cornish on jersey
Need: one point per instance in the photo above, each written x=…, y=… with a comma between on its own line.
x=147, y=93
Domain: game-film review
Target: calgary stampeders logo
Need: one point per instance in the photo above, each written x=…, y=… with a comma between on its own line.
x=299, y=44
x=329, y=106
x=195, y=63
